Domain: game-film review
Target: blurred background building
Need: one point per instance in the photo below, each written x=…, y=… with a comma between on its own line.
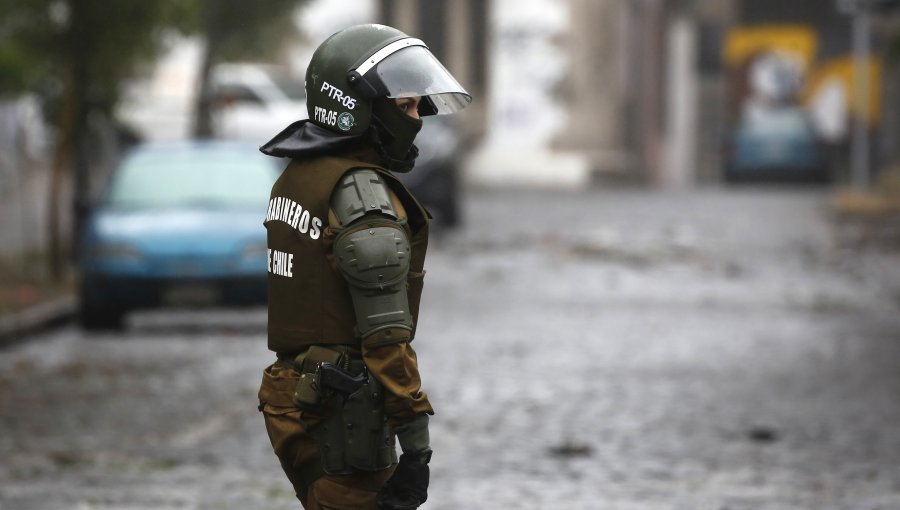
x=661, y=92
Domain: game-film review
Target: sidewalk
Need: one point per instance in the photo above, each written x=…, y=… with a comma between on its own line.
x=870, y=218
x=26, y=307
x=29, y=301
x=15, y=326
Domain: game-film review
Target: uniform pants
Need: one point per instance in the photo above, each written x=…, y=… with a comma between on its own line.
x=289, y=431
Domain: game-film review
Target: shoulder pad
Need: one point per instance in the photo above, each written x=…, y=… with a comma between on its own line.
x=360, y=192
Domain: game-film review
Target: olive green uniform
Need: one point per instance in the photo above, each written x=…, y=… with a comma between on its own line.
x=310, y=305
x=346, y=260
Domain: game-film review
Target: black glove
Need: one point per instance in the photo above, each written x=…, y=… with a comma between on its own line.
x=408, y=486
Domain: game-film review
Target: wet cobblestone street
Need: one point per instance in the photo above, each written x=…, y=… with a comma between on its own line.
x=714, y=349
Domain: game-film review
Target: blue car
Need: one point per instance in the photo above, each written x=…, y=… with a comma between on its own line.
x=775, y=144
x=179, y=225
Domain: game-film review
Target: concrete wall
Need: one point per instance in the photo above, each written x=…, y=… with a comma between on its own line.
x=594, y=86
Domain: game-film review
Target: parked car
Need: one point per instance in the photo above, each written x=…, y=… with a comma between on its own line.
x=250, y=102
x=179, y=225
x=255, y=101
x=435, y=179
x=775, y=144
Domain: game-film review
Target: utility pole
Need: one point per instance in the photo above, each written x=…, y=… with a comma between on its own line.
x=861, y=11
x=862, y=38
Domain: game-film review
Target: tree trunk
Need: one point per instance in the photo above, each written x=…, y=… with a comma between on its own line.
x=203, y=127
x=62, y=159
x=71, y=148
x=203, y=109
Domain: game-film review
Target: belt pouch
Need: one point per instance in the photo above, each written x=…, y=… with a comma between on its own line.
x=306, y=394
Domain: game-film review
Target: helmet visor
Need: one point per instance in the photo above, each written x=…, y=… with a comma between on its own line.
x=414, y=71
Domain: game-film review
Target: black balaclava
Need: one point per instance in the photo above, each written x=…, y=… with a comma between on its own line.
x=393, y=134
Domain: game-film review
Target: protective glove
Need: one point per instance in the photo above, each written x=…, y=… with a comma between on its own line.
x=408, y=486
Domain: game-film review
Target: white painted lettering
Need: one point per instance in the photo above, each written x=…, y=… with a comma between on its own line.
x=303, y=227
x=281, y=263
x=298, y=217
x=290, y=216
x=338, y=95
x=316, y=226
x=285, y=209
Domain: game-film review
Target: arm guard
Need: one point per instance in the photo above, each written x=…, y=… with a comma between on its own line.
x=361, y=192
x=372, y=252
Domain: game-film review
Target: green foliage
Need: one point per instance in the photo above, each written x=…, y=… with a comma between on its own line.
x=110, y=39
x=16, y=70
x=23, y=46
x=240, y=30
x=45, y=44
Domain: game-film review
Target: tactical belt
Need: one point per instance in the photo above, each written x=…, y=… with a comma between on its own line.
x=351, y=353
x=351, y=350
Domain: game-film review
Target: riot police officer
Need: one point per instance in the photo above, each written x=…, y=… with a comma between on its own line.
x=346, y=250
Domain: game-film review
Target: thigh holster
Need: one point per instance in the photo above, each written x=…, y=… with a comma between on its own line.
x=355, y=436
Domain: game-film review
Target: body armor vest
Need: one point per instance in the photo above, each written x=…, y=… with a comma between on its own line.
x=309, y=303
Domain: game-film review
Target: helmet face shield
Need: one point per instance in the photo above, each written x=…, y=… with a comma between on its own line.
x=406, y=68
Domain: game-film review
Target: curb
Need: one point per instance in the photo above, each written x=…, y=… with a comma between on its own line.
x=16, y=326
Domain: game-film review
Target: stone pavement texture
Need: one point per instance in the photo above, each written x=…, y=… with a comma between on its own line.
x=712, y=349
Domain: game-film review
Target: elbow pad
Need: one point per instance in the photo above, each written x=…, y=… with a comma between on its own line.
x=374, y=259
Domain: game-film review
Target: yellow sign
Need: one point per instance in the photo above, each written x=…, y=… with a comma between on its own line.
x=841, y=70
x=797, y=41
